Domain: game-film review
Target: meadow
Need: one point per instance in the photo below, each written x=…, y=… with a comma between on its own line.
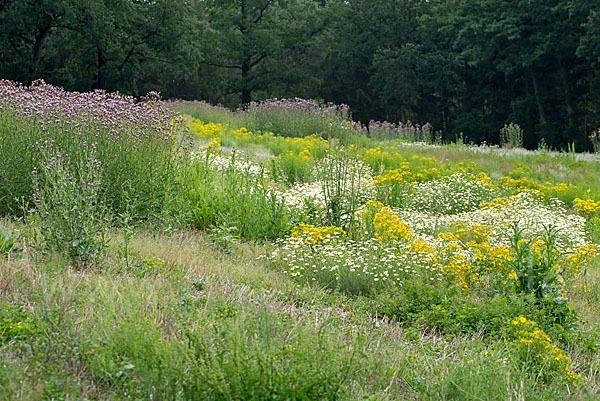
x=180, y=250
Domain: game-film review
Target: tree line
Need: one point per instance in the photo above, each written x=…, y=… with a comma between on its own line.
x=466, y=66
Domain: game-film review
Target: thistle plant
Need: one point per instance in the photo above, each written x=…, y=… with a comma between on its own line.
x=138, y=143
x=511, y=136
x=67, y=198
x=345, y=182
x=406, y=132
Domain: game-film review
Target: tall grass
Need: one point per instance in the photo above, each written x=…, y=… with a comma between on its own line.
x=298, y=118
x=207, y=112
x=110, y=335
x=135, y=143
x=235, y=199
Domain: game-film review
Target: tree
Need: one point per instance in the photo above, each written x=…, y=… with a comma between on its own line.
x=88, y=44
x=25, y=26
x=243, y=34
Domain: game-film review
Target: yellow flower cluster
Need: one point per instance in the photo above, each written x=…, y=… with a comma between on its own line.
x=498, y=203
x=388, y=226
x=381, y=222
x=491, y=258
x=575, y=259
x=242, y=132
x=586, y=207
x=213, y=145
x=536, y=347
x=471, y=233
x=424, y=250
x=455, y=261
x=313, y=235
x=450, y=258
x=523, y=184
x=464, y=167
x=404, y=174
x=206, y=131
x=303, y=156
x=380, y=159
x=313, y=145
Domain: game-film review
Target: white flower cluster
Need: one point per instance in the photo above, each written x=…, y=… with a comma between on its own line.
x=525, y=209
x=367, y=260
x=425, y=254
x=456, y=193
x=219, y=162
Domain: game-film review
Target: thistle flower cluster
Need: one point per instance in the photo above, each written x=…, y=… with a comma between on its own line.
x=137, y=146
x=408, y=131
x=297, y=104
x=51, y=107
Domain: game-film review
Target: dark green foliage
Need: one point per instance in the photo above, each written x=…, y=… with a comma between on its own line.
x=450, y=311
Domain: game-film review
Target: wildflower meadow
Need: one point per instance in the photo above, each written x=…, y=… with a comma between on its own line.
x=181, y=250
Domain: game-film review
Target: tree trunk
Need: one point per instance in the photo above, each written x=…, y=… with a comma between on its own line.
x=564, y=74
x=101, y=62
x=536, y=92
x=246, y=66
x=37, y=49
x=246, y=92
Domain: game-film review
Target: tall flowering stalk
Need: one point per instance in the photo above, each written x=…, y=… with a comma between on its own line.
x=73, y=218
x=136, y=142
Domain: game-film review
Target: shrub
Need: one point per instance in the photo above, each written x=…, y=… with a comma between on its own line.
x=511, y=136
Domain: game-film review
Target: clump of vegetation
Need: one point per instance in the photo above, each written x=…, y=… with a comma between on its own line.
x=511, y=136
x=298, y=118
x=8, y=240
x=134, y=144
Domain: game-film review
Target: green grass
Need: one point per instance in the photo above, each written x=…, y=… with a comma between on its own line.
x=220, y=325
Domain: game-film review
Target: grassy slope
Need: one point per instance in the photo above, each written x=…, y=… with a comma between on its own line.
x=217, y=325
x=221, y=324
